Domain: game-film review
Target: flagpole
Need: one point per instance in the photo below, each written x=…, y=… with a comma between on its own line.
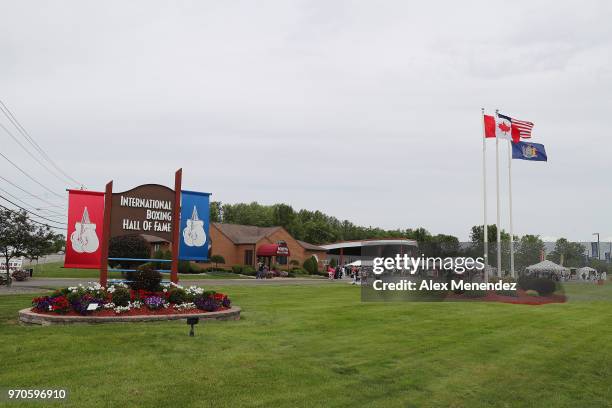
x=484, y=199
x=510, y=207
x=498, y=212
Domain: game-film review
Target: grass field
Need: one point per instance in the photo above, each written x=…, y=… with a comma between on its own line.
x=319, y=346
x=55, y=270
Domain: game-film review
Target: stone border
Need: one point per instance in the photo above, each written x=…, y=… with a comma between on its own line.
x=27, y=316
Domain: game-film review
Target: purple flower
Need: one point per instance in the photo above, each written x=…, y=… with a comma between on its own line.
x=208, y=304
x=154, y=302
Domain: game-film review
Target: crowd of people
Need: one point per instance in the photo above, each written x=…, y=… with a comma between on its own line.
x=357, y=274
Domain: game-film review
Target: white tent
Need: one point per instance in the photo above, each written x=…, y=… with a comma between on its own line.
x=547, y=266
x=585, y=273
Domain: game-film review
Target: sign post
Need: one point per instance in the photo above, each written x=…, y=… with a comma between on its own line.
x=176, y=225
x=108, y=200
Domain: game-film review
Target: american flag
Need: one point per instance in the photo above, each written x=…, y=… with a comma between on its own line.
x=521, y=129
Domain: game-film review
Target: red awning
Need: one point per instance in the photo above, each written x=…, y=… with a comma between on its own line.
x=272, y=250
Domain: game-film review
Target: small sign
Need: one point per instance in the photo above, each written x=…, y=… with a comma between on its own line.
x=92, y=306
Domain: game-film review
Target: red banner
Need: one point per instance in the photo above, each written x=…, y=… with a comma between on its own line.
x=85, y=222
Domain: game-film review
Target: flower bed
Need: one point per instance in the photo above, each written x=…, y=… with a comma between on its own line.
x=119, y=299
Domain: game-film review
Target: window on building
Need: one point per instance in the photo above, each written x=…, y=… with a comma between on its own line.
x=281, y=260
x=248, y=257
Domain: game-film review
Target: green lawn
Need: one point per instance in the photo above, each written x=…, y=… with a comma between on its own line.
x=55, y=270
x=319, y=346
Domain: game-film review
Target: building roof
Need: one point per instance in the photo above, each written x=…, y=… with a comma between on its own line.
x=244, y=234
x=311, y=247
x=369, y=242
x=151, y=239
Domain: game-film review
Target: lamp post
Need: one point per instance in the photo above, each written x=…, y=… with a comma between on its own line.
x=597, y=233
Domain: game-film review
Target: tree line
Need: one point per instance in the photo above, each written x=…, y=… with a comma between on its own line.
x=316, y=227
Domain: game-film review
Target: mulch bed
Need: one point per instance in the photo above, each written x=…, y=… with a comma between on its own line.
x=144, y=311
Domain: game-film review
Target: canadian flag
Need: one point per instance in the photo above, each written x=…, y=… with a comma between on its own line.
x=508, y=128
x=500, y=126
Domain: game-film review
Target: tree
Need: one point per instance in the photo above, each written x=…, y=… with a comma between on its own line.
x=477, y=234
x=21, y=237
x=217, y=259
x=215, y=211
x=528, y=252
x=570, y=254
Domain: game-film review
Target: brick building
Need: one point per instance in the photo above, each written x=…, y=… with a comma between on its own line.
x=241, y=244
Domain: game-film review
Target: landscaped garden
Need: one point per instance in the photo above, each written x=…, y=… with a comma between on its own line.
x=318, y=345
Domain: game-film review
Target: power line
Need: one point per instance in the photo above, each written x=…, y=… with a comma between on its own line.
x=32, y=155
x=32, y=195
x=30, y=177
x=41, y=223
x=29, y=205
x=7, y=112
x=30, y=212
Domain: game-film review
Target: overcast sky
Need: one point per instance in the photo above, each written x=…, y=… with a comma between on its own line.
x=368, y=111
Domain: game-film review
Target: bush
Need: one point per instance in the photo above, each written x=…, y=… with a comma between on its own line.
x=531, y=292
x=185, y=267
x=506, y=279
x=333, y=263
x=248, y=270
x=217, y=259
x=121, y=296
x=20, y=275
x=294, y=262
x=244, y=270
x=145, y=278
x=177, y=295
x=543, y=286
x=311, y=266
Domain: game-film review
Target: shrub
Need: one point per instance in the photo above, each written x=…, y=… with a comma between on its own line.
x=217, y=259
x=506, y=279
x=145, y=278
x=177, y=295
x=244, y=270
x=121, y=296
x=20, y=275
x=311, y=266
x=185, y=267
x=294, y=262
x=248, y=270
x=333, y=263
x=543, y=286
x=531, y=292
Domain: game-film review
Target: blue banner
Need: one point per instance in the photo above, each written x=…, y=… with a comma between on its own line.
x=195, y=219
x=529, y=151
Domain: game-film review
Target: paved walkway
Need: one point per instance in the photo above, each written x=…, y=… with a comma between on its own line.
x=41, y=283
